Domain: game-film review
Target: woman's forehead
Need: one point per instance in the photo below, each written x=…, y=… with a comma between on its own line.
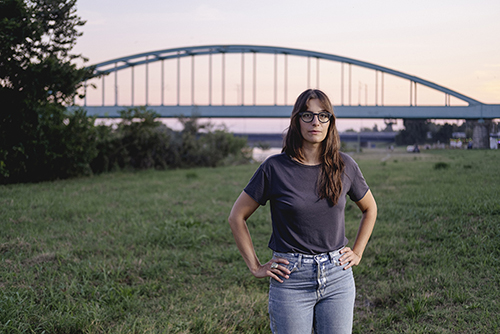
x=316, y=104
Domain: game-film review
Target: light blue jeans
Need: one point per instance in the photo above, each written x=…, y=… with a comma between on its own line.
x=319, y=294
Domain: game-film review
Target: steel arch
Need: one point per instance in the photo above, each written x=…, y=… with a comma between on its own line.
x=143, y=58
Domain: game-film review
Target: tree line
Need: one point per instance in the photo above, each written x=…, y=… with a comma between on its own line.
x=421, y=131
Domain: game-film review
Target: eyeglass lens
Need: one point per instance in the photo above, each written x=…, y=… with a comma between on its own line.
x=323, y=117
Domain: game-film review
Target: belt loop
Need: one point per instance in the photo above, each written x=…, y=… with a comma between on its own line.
x=299, y=261
x=330, y=255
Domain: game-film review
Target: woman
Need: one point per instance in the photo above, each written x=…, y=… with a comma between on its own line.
x=312, y=285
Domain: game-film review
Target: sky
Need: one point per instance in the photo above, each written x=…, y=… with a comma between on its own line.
x=453, y=43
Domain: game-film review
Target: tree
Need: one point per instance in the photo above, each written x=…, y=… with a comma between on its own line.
x=415, y=132
x=38, y=79
x=444, y=133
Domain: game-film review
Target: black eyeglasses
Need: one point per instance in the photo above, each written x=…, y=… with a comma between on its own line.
x=307, y=116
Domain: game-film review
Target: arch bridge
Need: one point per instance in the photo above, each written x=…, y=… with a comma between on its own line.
x=184, y=91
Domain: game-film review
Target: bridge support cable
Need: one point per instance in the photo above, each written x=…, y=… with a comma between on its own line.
x=223, y=78
x=275, y=79
x=192, y=80
x=132, y=85
x=242, y=78
x=286, y=80
x=254, y=78
x=411, y=93
x=382, y=84
x=103, y=85
x=415, y=90
x=178, y=80
x=317, y=73
x=116, y=86
x=342, y=84
x=210, y=79
x=147, y=80
x=162, y=82
x=350, y=84
x=308, y=72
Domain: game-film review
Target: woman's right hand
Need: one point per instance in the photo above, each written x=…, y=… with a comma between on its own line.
x=269, y=269
x=242, y=209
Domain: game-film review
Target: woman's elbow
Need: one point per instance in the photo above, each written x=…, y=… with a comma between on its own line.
x=231, y=219
x=235, y=219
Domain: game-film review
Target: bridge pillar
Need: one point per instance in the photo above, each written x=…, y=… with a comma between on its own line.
x=480, y=135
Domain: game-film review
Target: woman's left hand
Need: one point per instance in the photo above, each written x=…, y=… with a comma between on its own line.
x=349, y=257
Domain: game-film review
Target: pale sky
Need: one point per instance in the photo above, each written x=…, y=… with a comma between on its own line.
x=453, y=43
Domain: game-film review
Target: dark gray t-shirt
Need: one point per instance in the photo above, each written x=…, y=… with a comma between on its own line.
x=303, y=223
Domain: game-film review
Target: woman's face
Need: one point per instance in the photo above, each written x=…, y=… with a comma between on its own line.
x=315, y=131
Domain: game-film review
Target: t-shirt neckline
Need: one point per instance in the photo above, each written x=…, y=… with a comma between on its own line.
x=295, y=161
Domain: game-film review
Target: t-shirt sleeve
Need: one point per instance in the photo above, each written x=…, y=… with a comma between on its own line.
x=258, y=186
x=359, y=188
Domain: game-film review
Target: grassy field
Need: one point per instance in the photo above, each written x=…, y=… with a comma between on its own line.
x=151, y=252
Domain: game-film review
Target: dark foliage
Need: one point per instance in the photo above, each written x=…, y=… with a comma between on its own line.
x=444, y=133
x=424, y=131
x=38, y=78
x=415, y=132
x=141, y=142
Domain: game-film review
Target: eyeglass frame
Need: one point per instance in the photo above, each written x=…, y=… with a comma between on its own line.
x=315, y=114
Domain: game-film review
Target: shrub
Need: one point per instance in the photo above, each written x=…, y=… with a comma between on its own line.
x=441, y=165
x=52, y=144
x=141, y=142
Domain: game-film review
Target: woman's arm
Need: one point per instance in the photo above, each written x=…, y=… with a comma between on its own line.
x=242, y=209
x=368, y=207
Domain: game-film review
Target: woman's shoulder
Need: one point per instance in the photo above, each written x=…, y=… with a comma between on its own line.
x=348, y=160
x=276, y=159
x=276, y=162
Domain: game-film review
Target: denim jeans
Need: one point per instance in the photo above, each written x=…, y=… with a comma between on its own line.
x=318, y=294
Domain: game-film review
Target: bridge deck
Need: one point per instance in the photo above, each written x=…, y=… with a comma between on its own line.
x=478, y=111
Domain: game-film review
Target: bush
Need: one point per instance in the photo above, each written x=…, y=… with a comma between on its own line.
x=441, y=165
x=46, y=144
x=141, y=142
x=143, y=139
x=199, y=144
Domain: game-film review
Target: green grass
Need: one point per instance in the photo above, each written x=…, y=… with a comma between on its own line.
x=151, y=252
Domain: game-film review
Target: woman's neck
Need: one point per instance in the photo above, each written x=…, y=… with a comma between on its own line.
x=311, y=153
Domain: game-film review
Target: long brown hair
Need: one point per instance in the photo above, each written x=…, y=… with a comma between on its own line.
x=329, y=183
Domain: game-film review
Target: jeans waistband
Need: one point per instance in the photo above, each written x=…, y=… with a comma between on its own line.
x=332, y=256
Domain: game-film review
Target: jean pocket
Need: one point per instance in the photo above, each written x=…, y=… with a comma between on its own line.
x=293, y=264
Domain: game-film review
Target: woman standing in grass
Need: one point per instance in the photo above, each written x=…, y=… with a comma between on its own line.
x=312, y=284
